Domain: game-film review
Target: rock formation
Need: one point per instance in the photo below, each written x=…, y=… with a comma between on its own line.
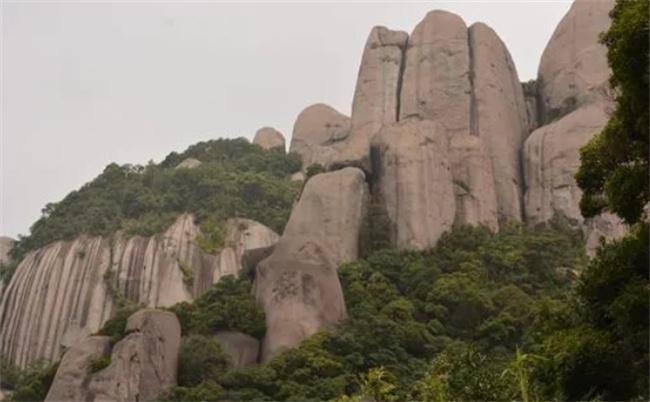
x=74, y=369
x=414, y=182
x=436, y=83
x=269, y=138
x=189, y=163
x=63, y=292
x=572, y=89
x=143, y=364
x=476, y=200
x=316, y=130
x=573, y=69
x=297, y=284
x=376, y=97
x=498, y=115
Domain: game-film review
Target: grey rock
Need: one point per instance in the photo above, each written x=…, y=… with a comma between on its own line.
x=269, y=138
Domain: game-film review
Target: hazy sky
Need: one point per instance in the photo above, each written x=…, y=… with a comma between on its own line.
x=85, y=84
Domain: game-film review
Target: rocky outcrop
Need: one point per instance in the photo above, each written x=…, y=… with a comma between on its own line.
x=413, y=181
x=436, y=84
x=143, y=364
x=269, y=138
x=551, y=157
x=242, y=349
x=242, y=235
x=476, y=200
x=575, y=105
x=573, y=69
x=376, y=98
x=74, y=369
x=297, y=285
x=189, y=163
x=498, y=115
x=65, y=291
x=316, y=132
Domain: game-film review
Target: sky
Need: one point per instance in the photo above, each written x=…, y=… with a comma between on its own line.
x=84, y=84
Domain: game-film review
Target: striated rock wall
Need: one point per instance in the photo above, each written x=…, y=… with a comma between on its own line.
x=60, y=293
x=297, y=285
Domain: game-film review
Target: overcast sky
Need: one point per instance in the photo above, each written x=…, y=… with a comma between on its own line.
x=88, y=83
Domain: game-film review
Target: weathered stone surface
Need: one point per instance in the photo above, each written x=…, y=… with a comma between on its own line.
x=476, y=201
x=436, y=84
x=241, y=235
x=74, y=370
x=297, y=285
x=573, y=69
x=189, y=163
x=269, y=138
x=414, y=181
x=243, y=349
x=498, y=115
x=143, y=364
x=59, y=293
x=316, y=131
x=376, y=97
x=551, y=158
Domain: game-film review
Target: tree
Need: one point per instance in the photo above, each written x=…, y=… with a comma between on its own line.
x=614, y=165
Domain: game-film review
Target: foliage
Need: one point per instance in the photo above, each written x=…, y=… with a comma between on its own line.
x=228, y=305
x=436, y=325
x=597, y=344
x=313, y=170
x=33, y=383
x=201, y=359
x=116, y=325
x=99, y=363
x=530, y=88
x=236, y=179
x=613, y=171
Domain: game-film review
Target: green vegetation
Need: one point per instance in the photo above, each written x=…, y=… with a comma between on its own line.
x=99, y=363
x=613, y=170
x=188, y=273
x=236, y=179
x=30, y=384
x=313, y=170
x=228, y=305
x=446, y=322
x=530, y=88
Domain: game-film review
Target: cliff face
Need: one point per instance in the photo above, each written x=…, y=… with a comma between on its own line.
x=65, y=291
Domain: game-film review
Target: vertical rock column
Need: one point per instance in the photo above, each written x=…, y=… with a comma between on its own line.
x=498, y=115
